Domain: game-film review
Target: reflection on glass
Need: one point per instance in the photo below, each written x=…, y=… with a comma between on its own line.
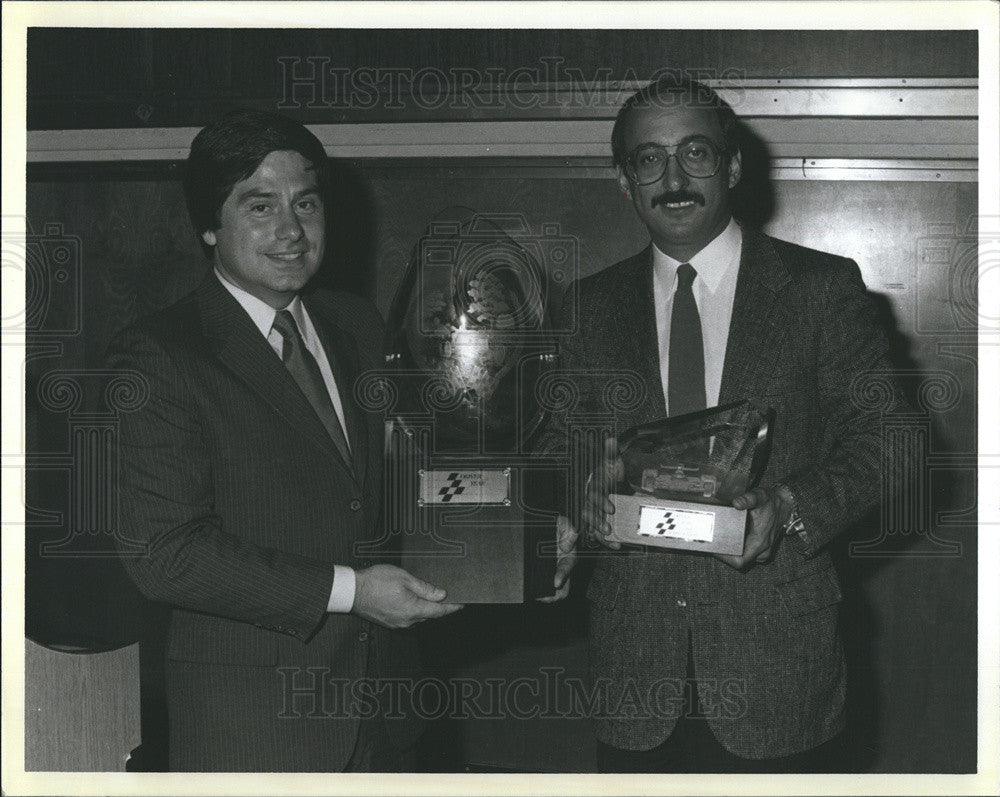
x=470, y=314
x=706, y=457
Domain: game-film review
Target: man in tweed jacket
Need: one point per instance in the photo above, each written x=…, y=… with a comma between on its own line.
x=793, y=328
x=251, y=479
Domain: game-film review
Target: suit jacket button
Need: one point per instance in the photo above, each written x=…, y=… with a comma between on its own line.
x=681, y=602
x=363, y=636
x=355, y=505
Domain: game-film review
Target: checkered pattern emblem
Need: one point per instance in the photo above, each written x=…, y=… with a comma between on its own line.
x=682, y=524
x=666, y=525
x=473, y=486
x=452, y=488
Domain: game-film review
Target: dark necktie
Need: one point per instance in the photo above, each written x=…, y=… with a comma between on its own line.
x=302, y=365
x=686, y=369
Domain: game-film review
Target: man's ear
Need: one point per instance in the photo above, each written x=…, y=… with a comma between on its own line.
x=735, y=168
x=622, y=180
x=208, y=237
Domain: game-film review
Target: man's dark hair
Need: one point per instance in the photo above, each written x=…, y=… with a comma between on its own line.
x=675, y=91
x=230, y=149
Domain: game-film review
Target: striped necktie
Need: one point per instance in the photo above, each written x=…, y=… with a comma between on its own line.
x=305, y=371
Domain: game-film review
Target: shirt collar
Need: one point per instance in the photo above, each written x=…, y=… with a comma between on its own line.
x=260, y=312
x=712, y=263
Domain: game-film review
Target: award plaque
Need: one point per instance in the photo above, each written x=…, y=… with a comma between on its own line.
x=682, y=475
x=468, y=340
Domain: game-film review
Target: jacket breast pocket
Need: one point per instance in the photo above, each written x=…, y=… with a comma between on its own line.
x=800, y=629
x=213, y=640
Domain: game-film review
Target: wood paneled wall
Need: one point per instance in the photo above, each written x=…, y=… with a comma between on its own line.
x=108, y=246
x=81, y=710
x=169, y=78
x=910, y=611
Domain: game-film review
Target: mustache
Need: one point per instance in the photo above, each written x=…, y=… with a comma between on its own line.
x=678, y=196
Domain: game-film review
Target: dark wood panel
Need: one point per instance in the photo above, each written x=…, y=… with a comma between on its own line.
x=81, y=710
x=909, y=614
x=94, y=78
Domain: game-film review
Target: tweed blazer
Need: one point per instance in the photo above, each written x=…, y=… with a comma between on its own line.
x=764, y=643
x=244, y=505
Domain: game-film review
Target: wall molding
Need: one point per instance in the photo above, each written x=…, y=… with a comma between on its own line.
x=547, y=144
x=833, y=128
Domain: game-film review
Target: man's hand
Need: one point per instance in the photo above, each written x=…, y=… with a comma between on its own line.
x=391, y=597
x=768, y=515
x=597, y=506
x=566, y=559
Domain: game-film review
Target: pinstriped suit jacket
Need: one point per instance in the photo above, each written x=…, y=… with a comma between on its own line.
x=764, y=642
x=229, y=477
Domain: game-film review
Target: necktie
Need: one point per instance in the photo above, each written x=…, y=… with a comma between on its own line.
x=686, y=369
x=302, y=365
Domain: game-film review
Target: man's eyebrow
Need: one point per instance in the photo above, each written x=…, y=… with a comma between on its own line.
x=685, y=140
x=253, y=193
x=312, y=190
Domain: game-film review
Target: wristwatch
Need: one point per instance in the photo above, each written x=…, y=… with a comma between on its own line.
x=794, y=525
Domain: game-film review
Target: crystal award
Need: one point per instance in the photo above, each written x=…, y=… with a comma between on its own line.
x=681, y=475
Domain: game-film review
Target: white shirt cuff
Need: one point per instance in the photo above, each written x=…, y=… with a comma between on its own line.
x=342, y=594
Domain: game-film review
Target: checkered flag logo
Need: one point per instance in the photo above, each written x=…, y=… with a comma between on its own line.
x=451, y=489
x=676, y=524
x=666, y=524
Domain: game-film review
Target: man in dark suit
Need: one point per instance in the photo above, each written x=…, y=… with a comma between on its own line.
x=713, y=313
x=251, y=475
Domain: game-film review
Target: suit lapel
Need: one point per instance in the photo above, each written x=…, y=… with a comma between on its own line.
x=638, y=323
x=758, y=323
x=241, y=348
x=342, y=352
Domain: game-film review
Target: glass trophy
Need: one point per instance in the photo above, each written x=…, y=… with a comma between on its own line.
x=681, y=475
x=469, y=338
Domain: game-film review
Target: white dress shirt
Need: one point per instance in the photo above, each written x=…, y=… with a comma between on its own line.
x=262, y=315
x=714, y=287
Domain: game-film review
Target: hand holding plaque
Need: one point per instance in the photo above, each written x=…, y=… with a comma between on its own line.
x=682, y=474
x=597, y=506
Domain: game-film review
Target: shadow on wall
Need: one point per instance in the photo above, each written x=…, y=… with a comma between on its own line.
x=755, y=204
x=753, y=198
x=877, y=546
x=352, y=226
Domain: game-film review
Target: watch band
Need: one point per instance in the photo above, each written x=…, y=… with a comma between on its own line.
x=794, y=524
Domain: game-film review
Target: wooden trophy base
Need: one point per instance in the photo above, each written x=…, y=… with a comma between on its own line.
x=482, y=538
x=680, y=525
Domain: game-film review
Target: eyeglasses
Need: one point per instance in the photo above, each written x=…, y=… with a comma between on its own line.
x=648, y=163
